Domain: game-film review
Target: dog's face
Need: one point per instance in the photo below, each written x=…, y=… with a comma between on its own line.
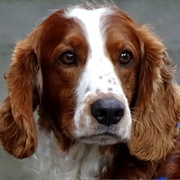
x=97, y=77
x=89, y=61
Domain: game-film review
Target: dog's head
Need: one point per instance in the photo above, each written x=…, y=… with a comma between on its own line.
x=97, y=77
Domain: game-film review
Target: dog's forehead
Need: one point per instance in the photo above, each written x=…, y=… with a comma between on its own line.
x=90, y=20
x=101, y=24
x=92, y=24
x=86, y=15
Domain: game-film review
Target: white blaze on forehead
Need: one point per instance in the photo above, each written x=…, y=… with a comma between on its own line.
x=90, y=21
x=99, y=73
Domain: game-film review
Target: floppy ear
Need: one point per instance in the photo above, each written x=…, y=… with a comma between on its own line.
x=17, y=127
x=157, y=108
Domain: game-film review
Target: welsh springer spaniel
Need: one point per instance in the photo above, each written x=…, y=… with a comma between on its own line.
x=107, y=103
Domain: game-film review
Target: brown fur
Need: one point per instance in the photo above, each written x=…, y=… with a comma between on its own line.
x=18, y=131
x=157, y=106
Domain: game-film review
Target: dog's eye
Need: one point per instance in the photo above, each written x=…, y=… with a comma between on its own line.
x=126, y=57
x=67, y=58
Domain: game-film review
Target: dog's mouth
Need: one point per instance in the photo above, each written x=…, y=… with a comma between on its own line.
x=101, y=139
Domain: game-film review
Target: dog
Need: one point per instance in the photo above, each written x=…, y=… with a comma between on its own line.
x=107, y=102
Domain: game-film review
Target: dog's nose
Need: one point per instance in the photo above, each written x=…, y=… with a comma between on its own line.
x=107, y=111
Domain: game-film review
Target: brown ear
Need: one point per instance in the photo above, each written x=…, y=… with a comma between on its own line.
x=157, y=108
x=17, y=126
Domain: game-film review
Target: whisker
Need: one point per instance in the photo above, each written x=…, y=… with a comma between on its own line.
x=138, y=123
x=139, y=109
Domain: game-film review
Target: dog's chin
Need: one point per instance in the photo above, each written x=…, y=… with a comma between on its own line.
x=102, y=139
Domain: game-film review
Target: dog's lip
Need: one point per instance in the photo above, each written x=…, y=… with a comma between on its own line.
x=105, y=134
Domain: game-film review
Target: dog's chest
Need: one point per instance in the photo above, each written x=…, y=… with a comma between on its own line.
x=82, y=161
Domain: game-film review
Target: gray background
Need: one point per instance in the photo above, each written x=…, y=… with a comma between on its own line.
x=18, y=18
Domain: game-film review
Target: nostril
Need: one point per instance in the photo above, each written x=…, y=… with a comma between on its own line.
x=117, y=115
x=107, y=111
x=101, y=113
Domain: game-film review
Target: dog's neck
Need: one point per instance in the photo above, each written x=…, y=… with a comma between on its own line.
x=80, y=162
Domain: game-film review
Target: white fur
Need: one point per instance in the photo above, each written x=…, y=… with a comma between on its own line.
x=81, y=162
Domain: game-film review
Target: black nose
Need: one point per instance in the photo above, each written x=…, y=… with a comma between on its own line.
x=107, y=111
